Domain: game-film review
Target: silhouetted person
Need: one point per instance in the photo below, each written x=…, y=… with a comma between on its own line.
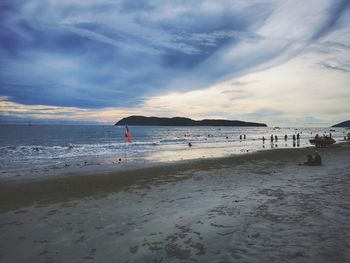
x=189, y=144
x=240, y=137
x=317, y=159
x=271, y=138
x=298, y=136
x=293, y=137
x=309, y=161
x=276, y=138
x=263, y=139
x=285, y=137
x=244, y=137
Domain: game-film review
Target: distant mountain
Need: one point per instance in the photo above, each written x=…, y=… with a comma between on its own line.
x=181, y=121
x=343, y=124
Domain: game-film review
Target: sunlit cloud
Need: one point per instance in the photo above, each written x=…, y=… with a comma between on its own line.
x=47, y=113
x=286, y=94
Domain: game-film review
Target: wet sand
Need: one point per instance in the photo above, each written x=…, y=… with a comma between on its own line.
x=259, y=207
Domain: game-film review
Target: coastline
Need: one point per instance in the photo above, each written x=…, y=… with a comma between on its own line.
x=49, y=151
x=79, y=184
x=256, y=207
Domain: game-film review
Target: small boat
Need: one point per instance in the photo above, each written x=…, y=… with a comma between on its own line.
x=322, y=141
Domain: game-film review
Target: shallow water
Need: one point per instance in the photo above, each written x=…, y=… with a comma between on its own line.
x=26, y=149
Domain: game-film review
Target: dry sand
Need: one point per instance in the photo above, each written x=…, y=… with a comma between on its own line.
x=259, y=207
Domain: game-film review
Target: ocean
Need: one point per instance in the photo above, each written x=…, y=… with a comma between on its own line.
x=32, y=150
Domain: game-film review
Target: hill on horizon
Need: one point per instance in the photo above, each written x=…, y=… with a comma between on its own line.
x=342, y=124
x=182, y=121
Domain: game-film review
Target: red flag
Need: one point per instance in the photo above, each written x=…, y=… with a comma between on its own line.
x=127, y=135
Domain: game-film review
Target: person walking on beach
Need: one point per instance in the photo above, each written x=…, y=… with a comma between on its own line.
x=298, y=136
x=240, y=137
x=263, y=139
x=271, y=137
x=244, y=137
x=293, y=137
x=276, y=138
x=285, y=137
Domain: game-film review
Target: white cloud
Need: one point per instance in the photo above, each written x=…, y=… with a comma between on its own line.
x=288, y=91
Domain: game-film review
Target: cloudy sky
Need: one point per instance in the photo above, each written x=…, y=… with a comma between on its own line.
x=284, y=63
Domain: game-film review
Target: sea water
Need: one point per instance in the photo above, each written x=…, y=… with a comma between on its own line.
x=38, y=149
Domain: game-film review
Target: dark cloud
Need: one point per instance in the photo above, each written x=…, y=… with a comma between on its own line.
x=335, y=12
x=344, y=68
x=115, y=53
x=136, y=6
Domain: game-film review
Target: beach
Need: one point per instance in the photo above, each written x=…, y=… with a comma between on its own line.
x=254, y=207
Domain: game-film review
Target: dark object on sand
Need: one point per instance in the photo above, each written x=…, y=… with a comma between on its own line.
x=317, y=159
x=322, y=141
x=313, y=160
x=309, y=160
x=189, y=144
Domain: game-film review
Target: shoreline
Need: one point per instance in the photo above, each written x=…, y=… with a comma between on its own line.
x=61, y=151
x=69, y=186
x=120, y=166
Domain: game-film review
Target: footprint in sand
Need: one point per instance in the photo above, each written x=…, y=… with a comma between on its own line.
x=52, y=212
x=134, y=249
x=176, y=251
x=21, y=212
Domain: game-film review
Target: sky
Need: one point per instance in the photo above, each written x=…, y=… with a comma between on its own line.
x=284, y=63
